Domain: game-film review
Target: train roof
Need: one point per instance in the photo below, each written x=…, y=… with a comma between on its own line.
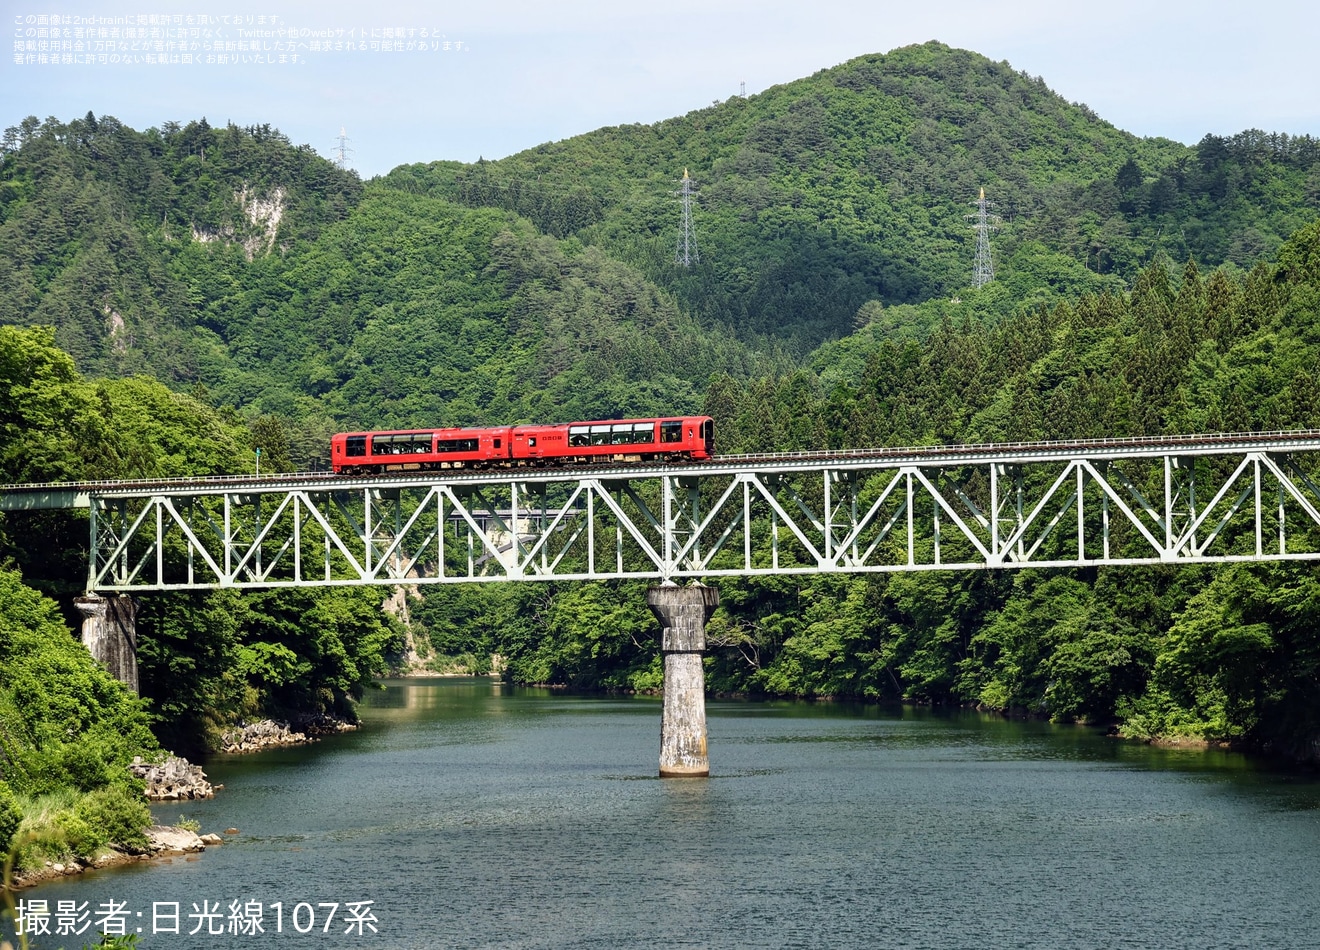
x=521, y=425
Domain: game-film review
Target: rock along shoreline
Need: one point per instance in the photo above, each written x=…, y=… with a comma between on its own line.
x=173, y=780
x=163, y=841
x=269, y=734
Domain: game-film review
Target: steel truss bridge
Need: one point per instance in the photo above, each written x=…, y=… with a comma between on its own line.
x=1173, y=500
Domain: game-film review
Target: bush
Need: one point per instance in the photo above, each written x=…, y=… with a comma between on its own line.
x=118, y=814
x=79, y=837
x=10, y=817
x=63, y=824
x=91, y=761
x=87, y=765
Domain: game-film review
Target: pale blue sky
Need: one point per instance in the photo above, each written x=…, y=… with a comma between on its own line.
x=519, y=73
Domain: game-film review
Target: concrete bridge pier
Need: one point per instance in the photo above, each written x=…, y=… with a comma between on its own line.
x=109, y=631
x=683, y=612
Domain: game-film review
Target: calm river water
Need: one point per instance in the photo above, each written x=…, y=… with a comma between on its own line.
x=476, y=815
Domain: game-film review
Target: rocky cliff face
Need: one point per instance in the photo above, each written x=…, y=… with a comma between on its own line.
x=264, y=213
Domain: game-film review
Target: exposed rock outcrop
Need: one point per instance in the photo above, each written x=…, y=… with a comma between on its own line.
x=166, y=839
x=264, y=213
x=173, y=780
x=269, y=734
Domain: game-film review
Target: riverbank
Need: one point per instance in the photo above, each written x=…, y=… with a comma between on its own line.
x=1301, y=752
x=163, y=841
x=175, y=779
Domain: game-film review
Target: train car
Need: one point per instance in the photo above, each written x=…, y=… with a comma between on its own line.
x=609, y=440
x=419, y=449
x=619, y=440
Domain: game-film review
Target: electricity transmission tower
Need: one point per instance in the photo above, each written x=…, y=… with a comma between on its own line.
x=687, y=241
x=342, y=151
x=983, y=222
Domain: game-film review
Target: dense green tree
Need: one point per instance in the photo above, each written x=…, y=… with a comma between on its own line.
x=68, y=732
x=205, y=660
x=64, y=721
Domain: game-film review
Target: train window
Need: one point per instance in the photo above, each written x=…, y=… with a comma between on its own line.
x=531, y=442
x=355, y=445
x=456, y=445
x=578, y=436
x=621, y=434
x=600, y=435
x=671, y=431
x=497, y=443
x=402, y=443
x=644, y=432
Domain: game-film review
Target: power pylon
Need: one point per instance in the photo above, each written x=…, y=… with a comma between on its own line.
x=687, y=241
x=983, y=271
x=342, y=151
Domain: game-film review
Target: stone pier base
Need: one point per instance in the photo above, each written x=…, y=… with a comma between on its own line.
x=109, y=631
x=683, y=612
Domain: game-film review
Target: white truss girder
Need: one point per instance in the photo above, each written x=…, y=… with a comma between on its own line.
x=1046, y=506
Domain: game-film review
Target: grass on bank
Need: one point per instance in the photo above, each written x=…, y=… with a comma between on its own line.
x=66, y=825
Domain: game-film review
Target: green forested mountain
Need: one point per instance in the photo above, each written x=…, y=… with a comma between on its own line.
x=854, y=185
x=414, y=311
x=93, y=215
x=545, y=283
x=285, y=287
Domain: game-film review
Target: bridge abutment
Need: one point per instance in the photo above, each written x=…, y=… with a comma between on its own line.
x=109, y=631
x=683, y=612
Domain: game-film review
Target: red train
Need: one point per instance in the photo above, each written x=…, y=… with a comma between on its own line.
x=611, y=440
